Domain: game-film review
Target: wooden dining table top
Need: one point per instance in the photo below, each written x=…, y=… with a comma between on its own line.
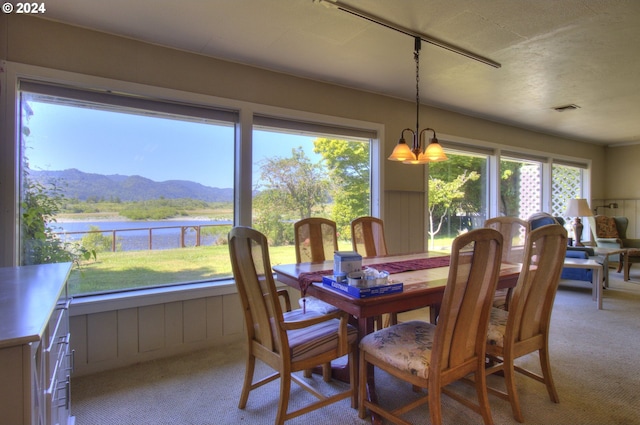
x=421, y=288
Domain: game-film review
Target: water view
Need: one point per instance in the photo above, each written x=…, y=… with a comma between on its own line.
x=142, y=235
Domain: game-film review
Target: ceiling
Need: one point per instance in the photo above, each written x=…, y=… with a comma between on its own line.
x=552, y=52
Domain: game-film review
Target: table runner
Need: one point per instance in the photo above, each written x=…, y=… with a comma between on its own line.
x=307, y=278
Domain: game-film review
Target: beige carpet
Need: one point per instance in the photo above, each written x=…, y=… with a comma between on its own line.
x=595, y=357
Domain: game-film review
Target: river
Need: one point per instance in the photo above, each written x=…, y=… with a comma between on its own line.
x=143, y=235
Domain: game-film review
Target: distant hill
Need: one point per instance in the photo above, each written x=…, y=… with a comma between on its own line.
x=77, y=184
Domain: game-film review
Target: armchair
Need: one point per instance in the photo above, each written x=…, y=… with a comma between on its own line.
x=611, y=232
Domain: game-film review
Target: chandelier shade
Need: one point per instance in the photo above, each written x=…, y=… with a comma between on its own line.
x=419, y=152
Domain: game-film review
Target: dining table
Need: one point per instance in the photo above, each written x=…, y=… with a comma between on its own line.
x=424, y=278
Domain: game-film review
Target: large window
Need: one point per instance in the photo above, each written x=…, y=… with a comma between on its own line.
x=464, y=191
x=458, y=194
x=137, y=193
x=303, y=170
x=141, y=192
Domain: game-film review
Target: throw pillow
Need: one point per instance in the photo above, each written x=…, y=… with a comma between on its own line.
x=606, y=227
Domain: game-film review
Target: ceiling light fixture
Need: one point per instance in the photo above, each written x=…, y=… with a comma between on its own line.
x=417, y=154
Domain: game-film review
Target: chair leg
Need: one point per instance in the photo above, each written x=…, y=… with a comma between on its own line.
x=483, y=397
x=283, y=404
x=352, y=379
x=362, y=385
x=326, y=372
x=545, y=366
x=620, y=262
x=512, y=391
x=435, y=402
x=248, y=379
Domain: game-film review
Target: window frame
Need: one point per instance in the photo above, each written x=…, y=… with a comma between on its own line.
x=496, y=152
x=9, y=98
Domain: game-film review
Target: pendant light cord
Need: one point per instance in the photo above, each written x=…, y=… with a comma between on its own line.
x=416, y=57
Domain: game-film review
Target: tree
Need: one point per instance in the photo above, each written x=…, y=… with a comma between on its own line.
x=348, y=167
x=40, y=245
x=289, y=184
x=442, y=197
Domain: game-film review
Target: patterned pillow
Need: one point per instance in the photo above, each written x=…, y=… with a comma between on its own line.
x=606, y=227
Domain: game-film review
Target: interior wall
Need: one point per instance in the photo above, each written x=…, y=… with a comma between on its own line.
x=37, y=41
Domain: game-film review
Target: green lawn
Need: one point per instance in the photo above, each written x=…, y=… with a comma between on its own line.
x=116, y=271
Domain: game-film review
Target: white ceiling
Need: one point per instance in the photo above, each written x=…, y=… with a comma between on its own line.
x=552, y=52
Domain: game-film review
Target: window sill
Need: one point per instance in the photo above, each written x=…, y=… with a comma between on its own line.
x=139, y=298
x=144, y=297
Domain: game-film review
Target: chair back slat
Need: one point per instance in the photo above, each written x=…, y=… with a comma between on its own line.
x=252, y=271
x=464, y=315
x=367, y=236
x=535, y=291
x=514, y=232
x=316, y=239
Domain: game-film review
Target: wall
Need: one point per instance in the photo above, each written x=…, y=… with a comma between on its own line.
x=123, y=335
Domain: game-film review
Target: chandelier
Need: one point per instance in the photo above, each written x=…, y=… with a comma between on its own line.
x=418, y=153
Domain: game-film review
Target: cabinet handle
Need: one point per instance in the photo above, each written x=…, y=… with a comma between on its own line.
x=68, y=393
x=72, y=361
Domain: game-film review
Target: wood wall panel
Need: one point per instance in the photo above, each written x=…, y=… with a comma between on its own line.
x=174, y=333
x=408, y=231
x=214, y=317
x=128, y=332
x=102, y=341
x=151, y=327
x=195, y=320
x=78, y=329
x=232, y=319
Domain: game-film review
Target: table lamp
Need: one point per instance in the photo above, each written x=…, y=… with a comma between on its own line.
x=577, y=208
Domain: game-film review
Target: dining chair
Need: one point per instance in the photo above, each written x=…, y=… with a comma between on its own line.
x=316, y=239
x=367, y=239
x=514, y=232
x=434, y=356
x=286, y=342
x=524, y=328
x=367, y=236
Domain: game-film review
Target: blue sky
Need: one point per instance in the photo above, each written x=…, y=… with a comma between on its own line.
x=100, y=142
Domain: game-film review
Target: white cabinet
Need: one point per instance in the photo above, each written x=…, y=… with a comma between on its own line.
x=35, y=360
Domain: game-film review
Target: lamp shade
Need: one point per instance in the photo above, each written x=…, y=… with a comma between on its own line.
x=402, y=152
x=578, y=208
x=434, y=152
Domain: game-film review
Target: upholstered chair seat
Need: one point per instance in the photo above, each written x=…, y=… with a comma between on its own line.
x=405, y=346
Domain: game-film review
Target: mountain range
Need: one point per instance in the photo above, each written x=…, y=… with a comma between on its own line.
x=77, y=184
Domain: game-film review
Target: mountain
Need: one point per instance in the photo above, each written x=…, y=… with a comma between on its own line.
x=77, y=184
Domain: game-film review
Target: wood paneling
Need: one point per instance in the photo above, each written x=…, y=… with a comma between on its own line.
x=111, y=339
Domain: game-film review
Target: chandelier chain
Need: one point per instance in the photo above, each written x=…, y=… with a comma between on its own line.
x=416, y=57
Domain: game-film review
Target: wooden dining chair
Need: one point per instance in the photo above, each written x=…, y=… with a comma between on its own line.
x=367, y=236
x=367, y=239
x=524, y=328
x=514, y=232
x=286, y=342
x=316, y=239
x=433, y=356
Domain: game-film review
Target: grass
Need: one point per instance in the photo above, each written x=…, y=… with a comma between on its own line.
x=117, y=271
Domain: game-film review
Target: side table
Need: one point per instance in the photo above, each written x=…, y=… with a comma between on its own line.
x=605, y=253
x=597, y=267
